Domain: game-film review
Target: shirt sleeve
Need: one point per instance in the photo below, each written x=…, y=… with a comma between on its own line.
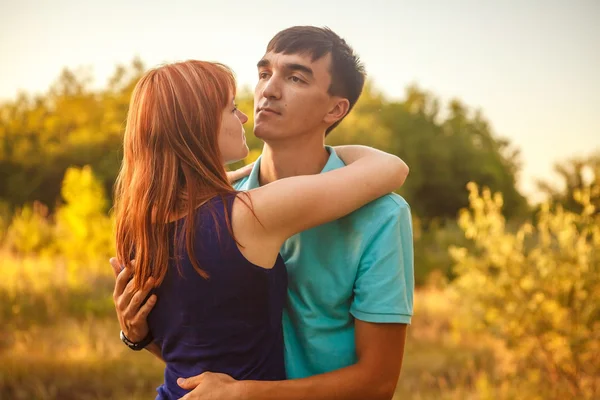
x=384, y=286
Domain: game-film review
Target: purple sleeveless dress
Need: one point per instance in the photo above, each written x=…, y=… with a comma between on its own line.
x=229, y=323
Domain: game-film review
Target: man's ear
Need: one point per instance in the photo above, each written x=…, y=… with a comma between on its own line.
x=338, y=110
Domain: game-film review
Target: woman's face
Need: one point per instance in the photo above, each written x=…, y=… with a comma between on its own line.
x=232, y=140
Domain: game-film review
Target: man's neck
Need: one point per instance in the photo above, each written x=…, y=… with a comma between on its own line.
x=292, y=158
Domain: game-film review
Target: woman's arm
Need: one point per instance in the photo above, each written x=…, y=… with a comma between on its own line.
x=291, y=205
x=233, y=176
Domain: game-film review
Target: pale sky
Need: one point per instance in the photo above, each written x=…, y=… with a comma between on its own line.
x=532, y=67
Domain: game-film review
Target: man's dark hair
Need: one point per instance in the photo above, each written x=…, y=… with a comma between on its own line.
x=347, y=72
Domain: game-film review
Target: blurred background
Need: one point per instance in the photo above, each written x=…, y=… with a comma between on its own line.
x=494, y=106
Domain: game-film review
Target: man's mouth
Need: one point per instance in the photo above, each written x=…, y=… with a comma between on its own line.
x=267, y=111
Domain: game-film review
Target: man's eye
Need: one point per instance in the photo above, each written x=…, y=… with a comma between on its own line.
x=263, y=75
x=295, y=79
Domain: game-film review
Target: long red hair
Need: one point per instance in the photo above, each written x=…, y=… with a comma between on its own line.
x=171, y=161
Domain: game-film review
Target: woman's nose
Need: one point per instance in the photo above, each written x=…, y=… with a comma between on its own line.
x=243, y=117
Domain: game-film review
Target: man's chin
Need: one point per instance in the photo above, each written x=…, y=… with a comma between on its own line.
x=261, y=132
x=265, y=131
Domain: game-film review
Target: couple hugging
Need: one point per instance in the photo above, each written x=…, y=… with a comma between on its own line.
x=291, y=278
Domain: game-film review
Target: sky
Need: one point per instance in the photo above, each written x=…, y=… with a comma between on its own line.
x=532, y=67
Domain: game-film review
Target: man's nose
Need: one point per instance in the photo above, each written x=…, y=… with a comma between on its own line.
x=272, y=89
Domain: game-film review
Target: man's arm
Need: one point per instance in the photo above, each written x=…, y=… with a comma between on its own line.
x=155, y=350
x=131, y=313
x=380, y=348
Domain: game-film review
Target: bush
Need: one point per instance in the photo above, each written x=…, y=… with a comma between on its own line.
x=30, y=231
x=538, y=290
x=84, y=233
x=4, y=219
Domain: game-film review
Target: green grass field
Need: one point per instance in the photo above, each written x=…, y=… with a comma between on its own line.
x=59, y=340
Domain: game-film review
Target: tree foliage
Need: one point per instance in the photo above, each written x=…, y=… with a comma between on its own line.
x=74, y=125
x=444, y=154
x=575, y=175
x=537, y=290
x=70, y=125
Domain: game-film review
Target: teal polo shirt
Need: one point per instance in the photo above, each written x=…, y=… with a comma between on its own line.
x=358, y=267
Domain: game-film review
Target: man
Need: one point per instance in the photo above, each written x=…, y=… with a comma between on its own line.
x=350, y=294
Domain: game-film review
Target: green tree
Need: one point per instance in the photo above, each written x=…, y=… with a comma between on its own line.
x=444, y=153
x=74, y=125
x=40, y=137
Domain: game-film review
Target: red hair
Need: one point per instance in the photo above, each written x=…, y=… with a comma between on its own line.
x=171, y=162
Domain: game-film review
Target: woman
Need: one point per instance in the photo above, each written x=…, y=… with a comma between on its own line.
x=211, y=252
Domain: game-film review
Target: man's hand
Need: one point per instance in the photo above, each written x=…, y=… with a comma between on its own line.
x=211, y=386
x=131, y=313
x=238, y=174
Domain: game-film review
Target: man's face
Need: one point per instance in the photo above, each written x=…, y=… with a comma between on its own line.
x=291, y=97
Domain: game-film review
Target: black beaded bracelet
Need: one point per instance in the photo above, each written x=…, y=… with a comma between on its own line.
x=137, y=346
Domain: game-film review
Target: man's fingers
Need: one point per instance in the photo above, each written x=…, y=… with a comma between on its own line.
x=126, y=295
x=146, y=308
x=114, y=263
x=191, y=382
x=121, y=283
x=140, y=295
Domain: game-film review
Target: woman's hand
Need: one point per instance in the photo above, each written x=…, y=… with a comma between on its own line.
x=238, y=174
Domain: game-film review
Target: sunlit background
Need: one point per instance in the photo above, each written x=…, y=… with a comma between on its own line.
x=503, y=94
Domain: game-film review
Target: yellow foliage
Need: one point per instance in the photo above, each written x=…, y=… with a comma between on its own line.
x=536, y=289
x=252, y=156
x=30, y=231
x=84, y=231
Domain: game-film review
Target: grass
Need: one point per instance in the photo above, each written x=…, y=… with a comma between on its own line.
x=59, y=340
